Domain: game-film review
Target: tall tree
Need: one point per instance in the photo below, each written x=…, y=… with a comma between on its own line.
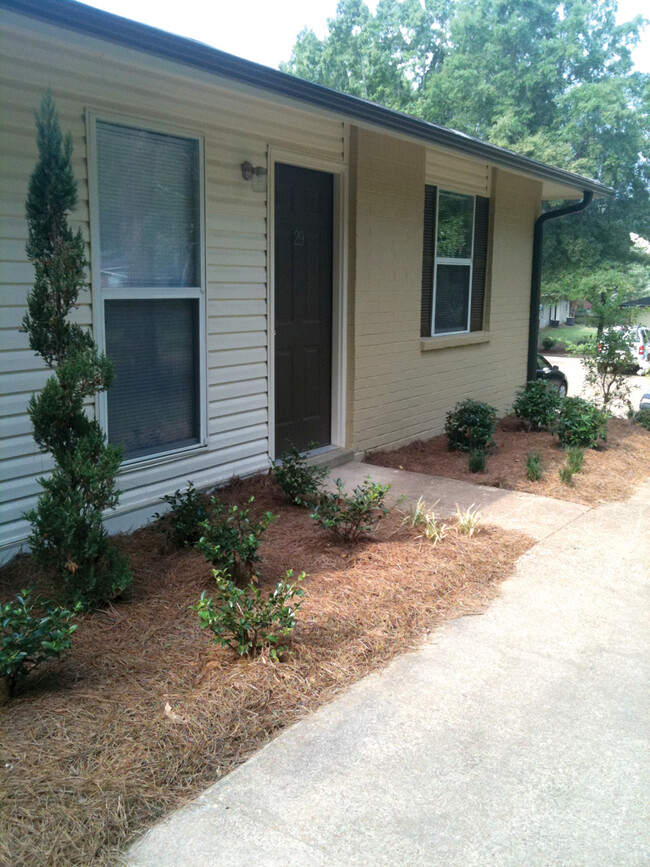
x=67, y=531
x=552, y=80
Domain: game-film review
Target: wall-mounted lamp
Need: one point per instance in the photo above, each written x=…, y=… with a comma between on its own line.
x=249, y=171
x=256, y=174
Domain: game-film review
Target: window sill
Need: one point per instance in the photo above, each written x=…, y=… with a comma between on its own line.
x=428, y=344
x=135, y=465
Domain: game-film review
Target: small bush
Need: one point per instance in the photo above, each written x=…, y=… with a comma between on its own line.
x=534, y=466
x=580, y=423
x=476, y=460
x=182, y=524
x=467, y=520
x=566, y=476
x=642, y=417
x=423, y=517
x=538, y=403
x=351, y=515
x=297, y=480
x=548, y=343
x=470, y=425
x=247, y=622
x=29, y=638
x=575, y=458
x=230, y=539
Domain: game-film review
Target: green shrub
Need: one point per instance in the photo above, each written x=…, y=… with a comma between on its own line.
x=642, y=417
x=476, y=460
x=575, y=458
x=30, y=638
x=538, y=403
x=580, y=423
x=534, y=466
x=68, y=536
x=241, y=618
x=548, y=343
x=566, y=476
x=297, y=480
x=230, y=539
x=351, y=515
x=470, y=425
x=182, y=524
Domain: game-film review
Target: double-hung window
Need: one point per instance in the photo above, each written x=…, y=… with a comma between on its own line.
x=147, y=255
x=453, y=262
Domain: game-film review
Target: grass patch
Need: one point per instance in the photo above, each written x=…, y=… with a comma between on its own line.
x=567, y=334
x=145, y=710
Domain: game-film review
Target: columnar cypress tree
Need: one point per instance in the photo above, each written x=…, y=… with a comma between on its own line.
x=67, y=531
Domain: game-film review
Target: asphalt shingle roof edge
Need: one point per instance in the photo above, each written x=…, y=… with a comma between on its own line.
x=81, y=18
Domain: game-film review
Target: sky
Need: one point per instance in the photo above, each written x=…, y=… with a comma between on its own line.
x=265, y=30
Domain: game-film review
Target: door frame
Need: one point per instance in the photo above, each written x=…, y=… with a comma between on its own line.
x=339, y=171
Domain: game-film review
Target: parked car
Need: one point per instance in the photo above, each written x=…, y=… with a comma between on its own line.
x=638, y=339
x=551, y=373
x=644, y=403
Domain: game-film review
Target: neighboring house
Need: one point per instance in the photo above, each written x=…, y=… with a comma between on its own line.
x=550, y=311
x=641, y=311
x=271, y=261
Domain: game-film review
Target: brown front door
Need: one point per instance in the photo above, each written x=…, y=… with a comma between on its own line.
x=303, y=307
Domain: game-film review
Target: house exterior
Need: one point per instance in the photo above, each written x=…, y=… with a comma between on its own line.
x=554, y=311
x=270, y=261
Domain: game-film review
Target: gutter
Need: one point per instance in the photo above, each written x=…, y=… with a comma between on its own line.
x=536, y=277
x=93, y=22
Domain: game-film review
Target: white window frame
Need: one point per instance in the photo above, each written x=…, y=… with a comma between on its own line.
x=447, y=260
x=100, y=295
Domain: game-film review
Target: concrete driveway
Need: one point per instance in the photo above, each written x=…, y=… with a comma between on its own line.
x=519, y=737
x=575, y=374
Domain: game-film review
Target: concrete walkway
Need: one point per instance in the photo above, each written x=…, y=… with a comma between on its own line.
x=519, y=737
x=539, y=517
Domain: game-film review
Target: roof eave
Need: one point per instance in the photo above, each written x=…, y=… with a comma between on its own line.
x=141, y=37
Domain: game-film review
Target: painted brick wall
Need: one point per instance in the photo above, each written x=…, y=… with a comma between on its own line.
x=398, y=391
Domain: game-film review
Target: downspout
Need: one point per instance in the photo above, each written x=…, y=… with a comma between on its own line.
x=536, y=278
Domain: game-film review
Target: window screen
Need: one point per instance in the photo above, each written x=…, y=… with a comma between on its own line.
x=153, y=404
x=452, y=298
x=148, y=186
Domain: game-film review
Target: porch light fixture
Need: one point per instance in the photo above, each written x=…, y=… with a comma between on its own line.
x=256, y=174
x=249, y=171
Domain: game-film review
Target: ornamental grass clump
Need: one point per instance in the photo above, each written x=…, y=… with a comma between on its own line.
x=538, y=404
x=30, y=633
x=246, y=621
x=350, y=516
x=230, y=539
x=297, y=480
x=476, y=460
x=470, y=425
x=68, y=537
x=423, y=517
x=534, y=466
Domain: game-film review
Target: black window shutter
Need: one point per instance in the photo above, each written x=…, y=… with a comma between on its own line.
x=479, y=263
x=428, y=256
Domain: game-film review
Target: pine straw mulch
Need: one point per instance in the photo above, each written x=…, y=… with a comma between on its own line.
x=90, y=757
x=610, y=472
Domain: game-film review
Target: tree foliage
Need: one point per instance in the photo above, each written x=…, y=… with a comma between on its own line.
x=553, y=81
x=67, y=531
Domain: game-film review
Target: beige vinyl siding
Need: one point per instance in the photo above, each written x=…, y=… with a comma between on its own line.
x=400, y=390
x=237, y=124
